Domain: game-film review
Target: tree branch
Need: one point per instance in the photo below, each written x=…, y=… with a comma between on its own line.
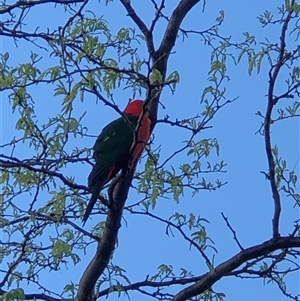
x=179, y=229
x=228, y=266
x=273, y=74
x=147, y=283
x=19, y=163
x=119, y=190
x=141, y=25
x=29, y=4
x=171, y=32
x=232, y=231
x=161, y=56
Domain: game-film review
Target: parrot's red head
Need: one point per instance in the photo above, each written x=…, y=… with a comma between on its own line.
x=135, y=107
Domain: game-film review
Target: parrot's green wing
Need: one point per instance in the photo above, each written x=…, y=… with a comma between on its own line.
x=112, y=145
x=111, y=152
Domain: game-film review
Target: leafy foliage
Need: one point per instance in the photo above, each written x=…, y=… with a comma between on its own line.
x=44, y=160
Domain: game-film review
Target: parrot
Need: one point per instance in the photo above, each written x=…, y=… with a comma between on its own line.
x=118, y=147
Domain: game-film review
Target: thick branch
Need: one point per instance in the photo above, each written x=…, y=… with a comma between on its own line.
x=171, y=32
x=108, y=240
x=141, y=25
x=161, y=56
x=234, y=262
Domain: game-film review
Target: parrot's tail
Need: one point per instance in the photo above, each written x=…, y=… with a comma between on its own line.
x=91, y=204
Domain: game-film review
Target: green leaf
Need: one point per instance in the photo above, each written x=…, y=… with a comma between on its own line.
x=155, y=76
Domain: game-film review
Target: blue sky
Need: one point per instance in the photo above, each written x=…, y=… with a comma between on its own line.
x=246, y=200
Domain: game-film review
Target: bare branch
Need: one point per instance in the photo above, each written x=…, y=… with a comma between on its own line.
x=29, y=4
x=233, y=231
x=273, y=74
x=147, y=283
x=179, y=229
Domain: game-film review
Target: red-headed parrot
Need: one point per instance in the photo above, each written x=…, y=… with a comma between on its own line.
x=117, y=147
